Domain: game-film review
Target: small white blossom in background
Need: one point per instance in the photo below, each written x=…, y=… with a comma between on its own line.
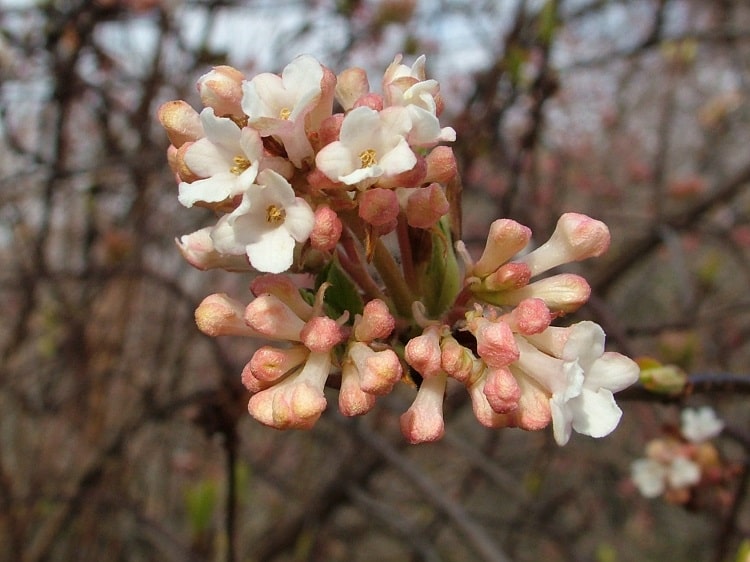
x=316, y=174
x=674, y=466
x=700, y=424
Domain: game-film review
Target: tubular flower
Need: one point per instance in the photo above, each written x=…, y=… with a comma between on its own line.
x=353, y=219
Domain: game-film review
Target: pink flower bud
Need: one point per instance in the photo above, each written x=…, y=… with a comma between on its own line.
x=269, y=364
x=318, y=181
x=378, y=207
x=531, y=316
x=506, y=277
x=329, y=129
x=252, y=383
x=376, y=322
x=565, y=292
x=423, y=421
x=326, y=230
x=576, y=237
x=220, y=315
x=495, y=342
x=481, y=406
x=221, y=89
x=181, y=121
x=426, y=206
x=371, y=100
x=181, y=168
x=505, y=240
x=423, y=352
x=283, y=288
x=321, y=334
x=273, y=318
x=351, y=85
x=533, y=412
x=458, y=361
x=297, y=401
x=353, y=401
x=441, y=165
x=502, y=390
x=378, y=370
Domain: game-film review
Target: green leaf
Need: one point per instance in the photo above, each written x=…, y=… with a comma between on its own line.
x=343, y=294
x=441, y=281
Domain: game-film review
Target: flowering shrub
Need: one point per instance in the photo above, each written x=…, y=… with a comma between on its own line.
x=345, y=200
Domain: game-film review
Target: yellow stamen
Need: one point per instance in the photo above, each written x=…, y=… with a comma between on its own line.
x=240, y=165
x=368, y=158
x=275, y=215
x=285, y=113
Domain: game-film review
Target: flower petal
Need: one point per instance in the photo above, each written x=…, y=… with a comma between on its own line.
x=595, y=414
x=612, y=371
x=273, y=252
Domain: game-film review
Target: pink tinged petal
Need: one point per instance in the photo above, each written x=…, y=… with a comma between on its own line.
x=298, y=401
x=220, y=315
x=546, y=370
x=269, y=364
x=612, y=371
x=273, y=252
x=502, y=390
x=273, y=318
x=423, y=421
x=224, y=238
x=594, y=413
x=423, y=353
x=353, y=401
x=367, y=175
x=251, y=383
x=506, y=238
x=198, y=250
x=321, y=334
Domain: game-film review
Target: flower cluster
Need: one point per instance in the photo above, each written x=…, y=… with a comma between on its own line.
x=675, y=465
x=342, y=198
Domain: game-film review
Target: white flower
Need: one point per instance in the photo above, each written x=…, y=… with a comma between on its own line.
x=227, y=158
x=580, y=375
x=649, y=476
x=652, y=477
x=406, y=87
x=371, y=144
x=700, y=424
x=277, y=105
x=266, y=225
